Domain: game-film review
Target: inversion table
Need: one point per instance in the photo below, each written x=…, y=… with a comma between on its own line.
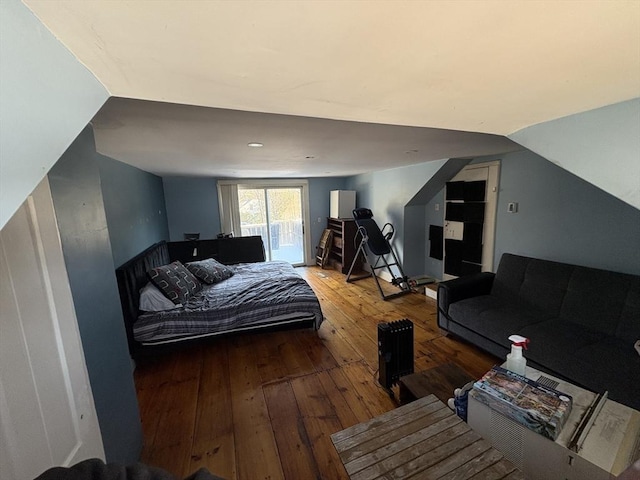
x=379, y=244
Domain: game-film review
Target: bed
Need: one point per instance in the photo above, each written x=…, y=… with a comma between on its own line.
x=258, y=295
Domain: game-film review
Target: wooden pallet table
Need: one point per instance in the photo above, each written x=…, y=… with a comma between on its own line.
x=420, y=440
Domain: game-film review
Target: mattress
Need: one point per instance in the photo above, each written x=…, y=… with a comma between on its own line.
x=257, y=295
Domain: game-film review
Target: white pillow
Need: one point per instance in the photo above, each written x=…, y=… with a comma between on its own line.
x=153, y=300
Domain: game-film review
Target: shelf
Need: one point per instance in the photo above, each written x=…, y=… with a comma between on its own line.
x=343, y=249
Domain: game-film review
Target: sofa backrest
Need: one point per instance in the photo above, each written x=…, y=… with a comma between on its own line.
x=538, y=284
x=599, y=300
x=604, y=301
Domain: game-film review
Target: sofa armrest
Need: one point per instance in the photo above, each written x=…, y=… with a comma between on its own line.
x=458, y=289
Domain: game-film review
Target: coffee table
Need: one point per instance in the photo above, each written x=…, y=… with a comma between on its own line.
x=420, y=440
x=440, y=381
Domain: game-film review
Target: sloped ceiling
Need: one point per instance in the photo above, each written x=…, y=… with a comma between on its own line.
x=481, y=66
x=171, y=139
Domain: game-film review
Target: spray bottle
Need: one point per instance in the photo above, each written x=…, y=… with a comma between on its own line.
x=515, y=361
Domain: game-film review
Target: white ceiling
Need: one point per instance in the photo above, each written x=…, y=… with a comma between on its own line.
x=478, y=66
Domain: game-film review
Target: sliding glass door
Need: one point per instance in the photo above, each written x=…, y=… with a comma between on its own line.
x=274, y=213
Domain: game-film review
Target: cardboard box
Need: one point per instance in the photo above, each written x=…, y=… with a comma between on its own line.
x=539, y=408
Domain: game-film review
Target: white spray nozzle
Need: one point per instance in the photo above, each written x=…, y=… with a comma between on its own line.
x=519, y=341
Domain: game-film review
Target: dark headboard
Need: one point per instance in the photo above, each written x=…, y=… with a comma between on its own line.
x=132, y=276
x=225, y=250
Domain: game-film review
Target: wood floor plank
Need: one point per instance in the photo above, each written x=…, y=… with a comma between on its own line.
x=320, y=421
x=375, y=397
x=265, y=405
x=270, y=363
x=290, y=433
x=173, y=438
x=213, y=442
x=362, y=341
x=353, y=398
x=473, y=361
x=295, y=358
x=312, y=344
x=256, y=450
x=338, y=345
x=342, y=408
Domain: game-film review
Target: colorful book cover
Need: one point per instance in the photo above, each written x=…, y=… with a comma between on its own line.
x=539, y=408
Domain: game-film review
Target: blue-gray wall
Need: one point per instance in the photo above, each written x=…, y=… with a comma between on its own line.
x=432, y=266
x=319, y=204
x=135, y=208
x=416, y=236
x=387, y=193
x=78, y=201
x=601, y=146
x=192, y=206
x=564, y=218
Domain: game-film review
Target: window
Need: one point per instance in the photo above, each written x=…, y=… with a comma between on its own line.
x=276, y=210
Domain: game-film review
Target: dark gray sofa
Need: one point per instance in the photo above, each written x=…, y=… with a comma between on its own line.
x=582, y=322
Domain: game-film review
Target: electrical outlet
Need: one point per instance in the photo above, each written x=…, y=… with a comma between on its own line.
x=512, y=207
x=437, y=207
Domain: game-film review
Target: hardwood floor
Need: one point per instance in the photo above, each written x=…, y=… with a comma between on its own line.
x=263, y=406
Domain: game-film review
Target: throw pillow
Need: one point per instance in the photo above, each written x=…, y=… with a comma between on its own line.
x=153, y=300
x=175, y=281
x=210, y=270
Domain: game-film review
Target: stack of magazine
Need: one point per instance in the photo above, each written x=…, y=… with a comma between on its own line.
x=539, y=408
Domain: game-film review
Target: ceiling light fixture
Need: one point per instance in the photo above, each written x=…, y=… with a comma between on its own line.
x=255, y=144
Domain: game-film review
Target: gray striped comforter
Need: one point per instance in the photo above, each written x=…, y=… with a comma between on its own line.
x=256, y=295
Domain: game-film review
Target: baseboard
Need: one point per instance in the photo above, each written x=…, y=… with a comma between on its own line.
x=431, y=293
x=384, y=275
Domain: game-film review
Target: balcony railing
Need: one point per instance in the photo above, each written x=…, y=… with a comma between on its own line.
x=285, y=234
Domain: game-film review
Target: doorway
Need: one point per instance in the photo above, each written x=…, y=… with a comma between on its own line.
x=470, y=218
x=275, y=214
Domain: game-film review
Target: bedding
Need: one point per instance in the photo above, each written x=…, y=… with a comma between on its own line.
x=258, y=294
x=153, y=300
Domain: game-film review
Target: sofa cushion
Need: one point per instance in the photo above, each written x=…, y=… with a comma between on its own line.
x=616, y=368
x=537, y=284
x=596, y=299
x=554, y=343
x=629, y=326
x=509, y=276
x=494, y=318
